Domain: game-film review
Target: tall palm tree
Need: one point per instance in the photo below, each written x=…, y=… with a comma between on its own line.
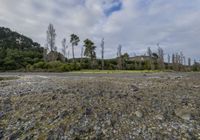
x=90, y=50
x=74, y=41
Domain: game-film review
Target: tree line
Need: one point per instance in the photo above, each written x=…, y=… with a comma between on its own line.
x=18, y=52
x=152, y=61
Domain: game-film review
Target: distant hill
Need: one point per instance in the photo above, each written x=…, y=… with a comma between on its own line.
x=17, y=51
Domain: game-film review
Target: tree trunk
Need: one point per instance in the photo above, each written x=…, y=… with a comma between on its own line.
x=102, y=64
x=102, y=59
x=73, y=53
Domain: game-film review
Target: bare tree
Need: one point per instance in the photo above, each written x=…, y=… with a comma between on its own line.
x=174, y=61
x=169, y=59
x=102, y=54
x=151, y=62
x=181, y=58
x=189, y=62
x=119, y=51
x=64, y=47
x=51, y=37
x=184, y=60
x=119, y=57
x=178, y=61
x=68, y=53
x=82, y=53
x=160, y=57
x=45, y=51
x=149, y=52
x=173, y=58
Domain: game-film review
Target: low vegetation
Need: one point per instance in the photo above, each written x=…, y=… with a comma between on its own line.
x=53, y=66
x=7, y=78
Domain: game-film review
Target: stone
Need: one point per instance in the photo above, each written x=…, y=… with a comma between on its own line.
x=88, y=111
x=15, y=135
x=64, y=114
x=54, y=97
x=196, y=86
x=184, y=113
x=134, y=88
x=1, y=114
x=1, y=134
x=139, y=114
x=159, y=117
x=7, y=105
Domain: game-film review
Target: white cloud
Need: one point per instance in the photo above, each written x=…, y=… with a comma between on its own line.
x=137, y=25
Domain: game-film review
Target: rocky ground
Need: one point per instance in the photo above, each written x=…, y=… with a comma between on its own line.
x=135, y=106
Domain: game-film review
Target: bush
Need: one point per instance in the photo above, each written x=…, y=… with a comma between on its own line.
x=55, y=66
x=39, y=65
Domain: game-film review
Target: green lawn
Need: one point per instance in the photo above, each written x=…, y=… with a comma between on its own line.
x=117, y=71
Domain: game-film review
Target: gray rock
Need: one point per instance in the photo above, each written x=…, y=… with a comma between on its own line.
x=64, y=114
x=1, y=114
x=159, y=117
x=7, y=105
x=184, y=113
x=15, y=135
x=88, y=111
x=1, y=134
x=139, y=114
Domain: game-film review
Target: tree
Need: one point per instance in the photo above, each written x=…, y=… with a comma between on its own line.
x=160, y=57
x=173, y=61
x=195, y=66
x=90, y=50
x=124, y=58
x=119, y=56
x=189, y=62
x=169, y=59
x=102, y=54
x=149, y=52
x=181, y=58
x=74, y=41
x=155, y=56
x=64, y=47
x=45, y=51
x=173, y=58
x=51, y=37
x=82, y=51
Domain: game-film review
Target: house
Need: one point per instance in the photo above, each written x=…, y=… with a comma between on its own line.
x=140, y=58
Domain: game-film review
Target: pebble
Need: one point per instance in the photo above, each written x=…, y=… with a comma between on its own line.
x=59, y=105
x=183, y=113
x=139, y=114
x=159, y=117
x=1, y=114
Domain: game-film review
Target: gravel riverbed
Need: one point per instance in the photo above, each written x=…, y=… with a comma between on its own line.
x=65, y=106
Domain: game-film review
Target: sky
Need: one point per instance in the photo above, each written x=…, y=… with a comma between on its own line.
x=135, y=24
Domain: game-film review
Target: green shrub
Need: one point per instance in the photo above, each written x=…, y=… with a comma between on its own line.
x=39, y=65
x=55, y=66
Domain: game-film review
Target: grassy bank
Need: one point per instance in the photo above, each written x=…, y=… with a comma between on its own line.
x=7, y=78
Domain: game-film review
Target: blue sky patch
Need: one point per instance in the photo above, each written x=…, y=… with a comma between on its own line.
x=116, y=5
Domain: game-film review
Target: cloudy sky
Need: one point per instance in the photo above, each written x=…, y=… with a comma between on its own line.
x=135, y=24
